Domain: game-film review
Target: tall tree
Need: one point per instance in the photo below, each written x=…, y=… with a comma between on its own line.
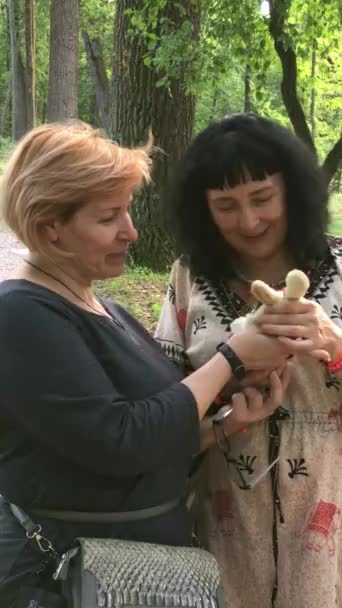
x=19, y=116
x=248, y=99
x=30, y=62
x=145, y=98
x=313, y=92
x=99, y=77
x=63, y=66
x=5, y=110
x=279, y=11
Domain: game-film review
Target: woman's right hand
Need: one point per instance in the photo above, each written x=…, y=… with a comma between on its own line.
x=257, y=351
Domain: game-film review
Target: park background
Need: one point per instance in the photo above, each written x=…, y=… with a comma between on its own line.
x=172, y=66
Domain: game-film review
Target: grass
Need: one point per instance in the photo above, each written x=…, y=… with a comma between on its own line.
x=336, y=214
x=6, y=147
x=140, y=291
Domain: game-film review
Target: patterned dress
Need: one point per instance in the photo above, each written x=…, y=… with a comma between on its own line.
x=279, y=544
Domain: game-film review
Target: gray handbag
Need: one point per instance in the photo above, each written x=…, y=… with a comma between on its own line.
x=104, y=573
x=108, y=573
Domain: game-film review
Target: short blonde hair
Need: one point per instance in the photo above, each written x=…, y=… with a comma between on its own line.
x=56, y=169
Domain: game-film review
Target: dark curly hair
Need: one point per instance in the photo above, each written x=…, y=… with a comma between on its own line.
x=240, y=147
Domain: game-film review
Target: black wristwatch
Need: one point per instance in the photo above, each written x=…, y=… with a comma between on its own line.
x=238, y=368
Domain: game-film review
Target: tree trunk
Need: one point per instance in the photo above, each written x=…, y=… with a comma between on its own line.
x=19, y=118
x=63, y=66
x=132, y=82
x=332, y=161
x=94, y=118
x=30, y=62
x=99, y=77
x=248, y=97
x=278, y=13
x=288, y=59
x=138, y=106
x=5, y=110
x=214, y=101
x=313, y=92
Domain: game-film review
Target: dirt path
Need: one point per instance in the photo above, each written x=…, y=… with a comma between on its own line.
x=10, y=252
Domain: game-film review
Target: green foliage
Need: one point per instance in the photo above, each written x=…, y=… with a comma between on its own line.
x=140, y=291
x=232, y=36
x=6, y=147
x=233, y=40
x=335, y=207
x=97, y=19
x=170, y=40
x=221, y=95
x=4, y=59
x=235, y=35
x=42, y=56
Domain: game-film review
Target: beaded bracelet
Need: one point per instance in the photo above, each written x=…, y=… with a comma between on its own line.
x=335, y=366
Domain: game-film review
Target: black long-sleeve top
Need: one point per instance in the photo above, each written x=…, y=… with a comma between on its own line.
x=93, y=416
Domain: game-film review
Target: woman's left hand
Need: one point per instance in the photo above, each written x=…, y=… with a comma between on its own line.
x=306, y=323
x=251, y=405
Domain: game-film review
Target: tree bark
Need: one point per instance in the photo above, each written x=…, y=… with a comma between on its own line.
x=287, y=56
x=30, y=62
x=5, y=110
x=248, y=97
x=313, y=92
x=99, y=77
x=288, y=59
x=132, y=82
x=63, y=66
x=332, y=161
x=138, y=106
x=19, y=118
x=214, y=101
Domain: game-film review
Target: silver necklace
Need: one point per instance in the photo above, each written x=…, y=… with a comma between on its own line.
x=75, y=294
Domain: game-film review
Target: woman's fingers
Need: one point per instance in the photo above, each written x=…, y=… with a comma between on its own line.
x=291, y=307
x=321, y=355
x=240, y=405
x=284, y=376
x=257, y=378
x=277, y=391
x=254, y=398
x=305, y=347
x=251, y=406
x=289, y=319
x=280, y=370
x=288, y=331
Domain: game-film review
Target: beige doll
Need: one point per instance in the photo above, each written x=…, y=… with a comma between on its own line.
x=296, y=286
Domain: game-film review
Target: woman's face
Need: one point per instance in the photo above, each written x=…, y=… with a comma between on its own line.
x=98, y=235
x=251, y=216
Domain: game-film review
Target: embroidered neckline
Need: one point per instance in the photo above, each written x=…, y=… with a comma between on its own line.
x=227, y=304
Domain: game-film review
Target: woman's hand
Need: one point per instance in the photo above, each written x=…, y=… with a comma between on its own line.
x=304, y=325
x=258, y=379
x=251, y=406
x=259, y=352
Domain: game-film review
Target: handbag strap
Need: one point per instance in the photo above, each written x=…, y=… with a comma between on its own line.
x=107, y=518
x=33, y=531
